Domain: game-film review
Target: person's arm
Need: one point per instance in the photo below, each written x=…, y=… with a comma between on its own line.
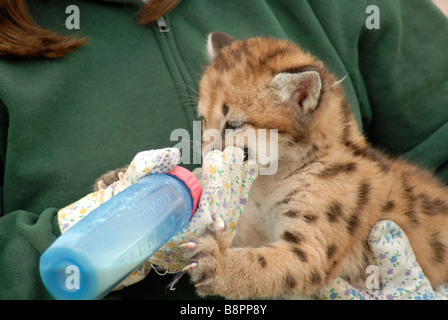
x=24, y=236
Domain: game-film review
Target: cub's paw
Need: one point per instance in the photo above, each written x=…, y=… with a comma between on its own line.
x=207, y=256
x=109, y=178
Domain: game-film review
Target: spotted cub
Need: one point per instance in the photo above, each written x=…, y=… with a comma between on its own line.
x=309, y=222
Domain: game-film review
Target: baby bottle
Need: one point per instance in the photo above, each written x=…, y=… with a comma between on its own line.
x=112, y=241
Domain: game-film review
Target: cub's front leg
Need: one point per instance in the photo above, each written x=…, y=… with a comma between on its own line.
x=291, y=266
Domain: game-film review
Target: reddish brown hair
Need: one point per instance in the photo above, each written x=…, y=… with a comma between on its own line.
x=156, y=9
x=21, y=36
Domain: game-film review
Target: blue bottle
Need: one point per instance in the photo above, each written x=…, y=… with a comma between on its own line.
x=102, y=249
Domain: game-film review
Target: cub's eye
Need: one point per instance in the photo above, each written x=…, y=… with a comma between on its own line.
x=233, y=125
x=225, y=109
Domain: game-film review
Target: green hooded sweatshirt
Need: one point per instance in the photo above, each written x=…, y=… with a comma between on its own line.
x=64, y=122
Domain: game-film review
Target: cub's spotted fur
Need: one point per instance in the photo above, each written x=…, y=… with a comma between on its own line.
x=310, y=221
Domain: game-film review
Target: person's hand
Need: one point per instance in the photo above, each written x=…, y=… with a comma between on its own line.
x=396, y=276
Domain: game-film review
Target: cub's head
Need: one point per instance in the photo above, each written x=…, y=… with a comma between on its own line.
x=259, y=84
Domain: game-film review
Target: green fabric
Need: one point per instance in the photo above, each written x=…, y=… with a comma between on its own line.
x=65, y=122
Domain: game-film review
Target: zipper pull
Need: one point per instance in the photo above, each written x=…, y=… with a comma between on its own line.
x=163, y=27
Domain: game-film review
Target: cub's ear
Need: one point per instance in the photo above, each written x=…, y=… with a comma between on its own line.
x=216, y=41
x=302, y=87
